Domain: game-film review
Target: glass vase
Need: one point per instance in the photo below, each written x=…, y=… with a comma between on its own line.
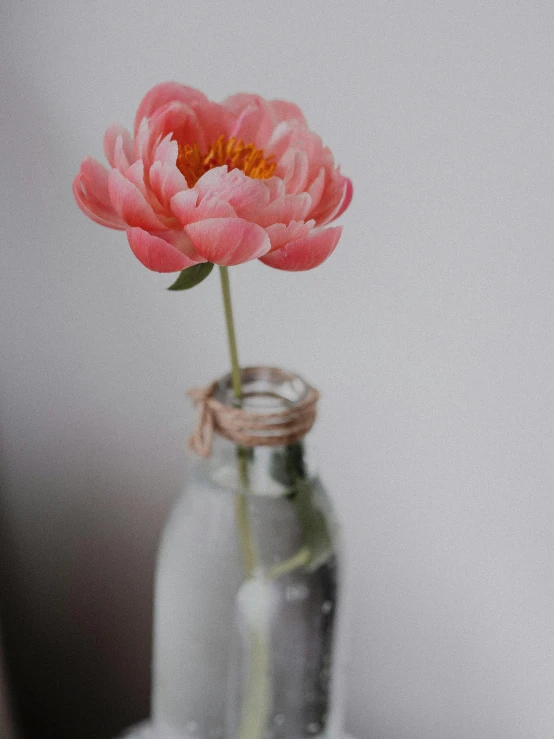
x=247, y=590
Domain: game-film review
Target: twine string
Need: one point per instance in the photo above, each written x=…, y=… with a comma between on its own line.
x=246, y=427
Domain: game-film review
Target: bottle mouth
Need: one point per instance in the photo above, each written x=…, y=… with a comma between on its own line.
x=264, y=390
x=276, y=408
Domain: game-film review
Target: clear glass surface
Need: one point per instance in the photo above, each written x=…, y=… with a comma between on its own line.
x=249, y=655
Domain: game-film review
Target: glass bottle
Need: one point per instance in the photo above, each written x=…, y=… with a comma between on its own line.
x=246, y=593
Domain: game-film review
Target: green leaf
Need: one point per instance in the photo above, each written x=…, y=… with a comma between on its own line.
x=317, y=536
x=192, y=276
x=288, y=467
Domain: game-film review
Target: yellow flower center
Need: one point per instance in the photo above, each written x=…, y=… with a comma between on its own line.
x=232, y=152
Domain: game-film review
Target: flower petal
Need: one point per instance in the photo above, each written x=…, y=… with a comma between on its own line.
x=189, y=208
x=316, y=188
x=281, y=139
x=135, y=174
x=306, y=253
x=164, y=93
x=275, y=187
x=130, y=203
x=228, y=241
x=285, y=209
x=113, y=132
x=241, y=101
x=293, y=168
x=214, y=120
x=93, y=208
x=163, y=251
x=90, y=188
x=180, y=121
x=281, y=110
x=165, y=181
x=349, y=191
x=121, y=161
x=95, y=180
x=247, y=196
x=340, y=192
x=141, y=141
x=254, y=124
x=281, y=234
x=166, y=151
x=174, y=120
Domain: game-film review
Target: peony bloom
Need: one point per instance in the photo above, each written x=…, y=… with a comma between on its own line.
x=223, y=183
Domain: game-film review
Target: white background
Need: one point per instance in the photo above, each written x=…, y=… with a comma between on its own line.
x=429, y=332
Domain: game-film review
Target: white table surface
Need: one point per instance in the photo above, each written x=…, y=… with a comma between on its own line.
x=146, y=731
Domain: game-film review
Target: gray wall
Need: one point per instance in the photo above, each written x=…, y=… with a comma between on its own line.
x=429, y=331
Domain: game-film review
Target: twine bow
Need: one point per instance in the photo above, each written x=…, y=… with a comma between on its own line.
x=247, y=427
x=201, y=440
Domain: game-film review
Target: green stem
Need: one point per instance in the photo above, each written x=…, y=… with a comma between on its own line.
x=241, y=511
x=235, y=366
x=246, y=544
x=301, y=558
x=258, y=687
x=255, y=708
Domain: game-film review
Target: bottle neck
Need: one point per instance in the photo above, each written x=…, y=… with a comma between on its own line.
x=271, y=471
x=257, y=443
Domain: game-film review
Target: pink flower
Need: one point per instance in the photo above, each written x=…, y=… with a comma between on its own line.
x=223, y=183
